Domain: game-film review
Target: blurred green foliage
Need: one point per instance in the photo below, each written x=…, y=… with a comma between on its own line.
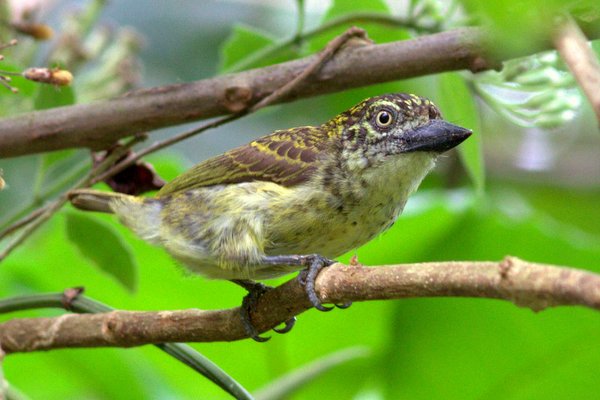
x=417, y=348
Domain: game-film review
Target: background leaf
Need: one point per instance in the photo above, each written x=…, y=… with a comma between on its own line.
x=101, y=244
x=49, y=96
x=458, y=106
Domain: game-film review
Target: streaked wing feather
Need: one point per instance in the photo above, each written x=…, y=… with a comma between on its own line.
x=285, y=157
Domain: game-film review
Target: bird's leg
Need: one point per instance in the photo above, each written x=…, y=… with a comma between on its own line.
x=314, y=263
x=255, y=290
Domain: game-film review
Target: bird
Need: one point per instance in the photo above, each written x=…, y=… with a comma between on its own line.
x=292, y=200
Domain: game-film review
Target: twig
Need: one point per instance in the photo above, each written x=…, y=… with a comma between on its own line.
x=573, y=47
x=22, y=222
x=532, y=285
x=325, y=55
x=37, y=218
x=355, y=17
x=33, y=224
x=332, y=47
x=121, y=165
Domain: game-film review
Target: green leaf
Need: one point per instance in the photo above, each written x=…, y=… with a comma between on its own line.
x=458, y=106
x=101, y=244
x=49, y=96
x=249, y=47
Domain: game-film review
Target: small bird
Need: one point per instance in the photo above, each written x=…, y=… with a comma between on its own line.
x=291, y=200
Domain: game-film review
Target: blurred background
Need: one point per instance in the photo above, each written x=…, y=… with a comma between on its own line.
x=527, y=184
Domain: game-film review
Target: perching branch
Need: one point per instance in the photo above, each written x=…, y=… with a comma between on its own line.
x=526, y=284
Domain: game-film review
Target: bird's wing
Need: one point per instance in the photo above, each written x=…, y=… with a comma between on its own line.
x=286, y=157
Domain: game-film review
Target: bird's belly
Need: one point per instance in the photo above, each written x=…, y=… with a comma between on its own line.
x=264, y=219
x=331, y=231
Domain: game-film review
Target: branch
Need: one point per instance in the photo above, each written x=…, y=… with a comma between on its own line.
x=99, y=125
x=573, y=47
x=532, y=285
x=107, y=169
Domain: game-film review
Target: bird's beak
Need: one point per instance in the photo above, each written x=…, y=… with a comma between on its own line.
x=436, y=136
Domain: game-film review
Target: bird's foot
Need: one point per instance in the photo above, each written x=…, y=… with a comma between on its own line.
x=314, y=264
x=255, y=291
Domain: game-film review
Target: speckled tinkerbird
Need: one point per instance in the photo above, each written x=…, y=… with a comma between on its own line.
x=291, y=200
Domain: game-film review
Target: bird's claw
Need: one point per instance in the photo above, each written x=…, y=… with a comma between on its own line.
x=255, y=291
x=314, y=264
x=248, y=303
x=343, y=306
x=288, y=325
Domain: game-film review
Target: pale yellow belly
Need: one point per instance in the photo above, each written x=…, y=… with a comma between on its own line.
x=317, y=226
x=224, y=232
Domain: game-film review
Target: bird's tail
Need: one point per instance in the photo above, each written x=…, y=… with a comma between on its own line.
x=140, y=214
x=95, y=200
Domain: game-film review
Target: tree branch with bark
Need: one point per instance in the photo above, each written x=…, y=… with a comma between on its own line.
x=98, y=125
x=526, y=284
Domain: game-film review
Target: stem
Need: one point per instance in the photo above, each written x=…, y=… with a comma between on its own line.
x=379, y=18
x=34, y=220
x=324, y=56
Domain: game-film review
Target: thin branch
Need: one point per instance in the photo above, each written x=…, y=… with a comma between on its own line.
x=121, y=165
x=526, y=284
x=323, y=57
x=81, y=304
x=573, y=47
x=350, y=18
x=33, y=222
x=22, y=222
x=37, y=218
x=99, y=125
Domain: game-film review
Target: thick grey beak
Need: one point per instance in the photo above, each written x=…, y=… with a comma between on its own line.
x=438, y=136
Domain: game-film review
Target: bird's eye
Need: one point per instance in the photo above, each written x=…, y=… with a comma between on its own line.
x=384, y=118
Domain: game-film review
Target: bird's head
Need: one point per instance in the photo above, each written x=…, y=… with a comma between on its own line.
x=395, y=127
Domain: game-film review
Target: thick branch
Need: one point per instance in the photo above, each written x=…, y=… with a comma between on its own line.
x=98, y=125
x=526, y=284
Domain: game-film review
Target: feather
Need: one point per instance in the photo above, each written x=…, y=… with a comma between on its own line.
x=286, y=157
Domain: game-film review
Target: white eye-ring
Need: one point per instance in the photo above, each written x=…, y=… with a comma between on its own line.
x=384, y=118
